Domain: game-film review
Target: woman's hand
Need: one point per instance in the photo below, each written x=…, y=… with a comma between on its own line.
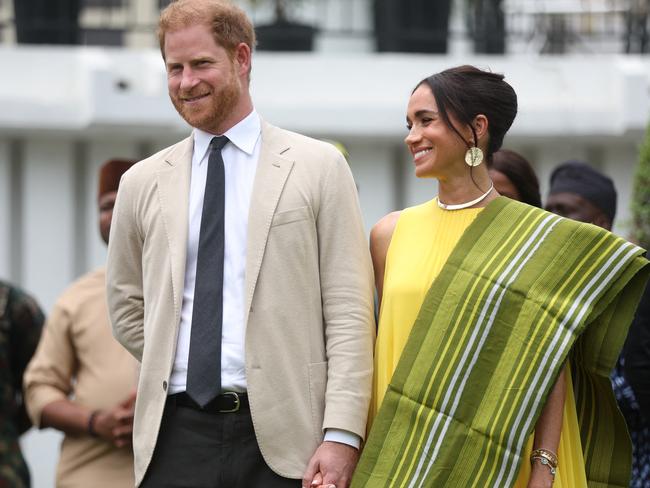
x=540, y=476
x=547, y=432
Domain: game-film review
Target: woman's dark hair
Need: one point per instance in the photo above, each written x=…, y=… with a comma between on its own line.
x=520, y=172
x=465, y=92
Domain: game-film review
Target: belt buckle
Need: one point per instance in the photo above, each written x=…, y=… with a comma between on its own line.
x=235, y=397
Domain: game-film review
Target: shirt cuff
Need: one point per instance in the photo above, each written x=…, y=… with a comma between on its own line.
x=343, y=436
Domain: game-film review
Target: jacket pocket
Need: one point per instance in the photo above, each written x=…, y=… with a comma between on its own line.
x=292, y=215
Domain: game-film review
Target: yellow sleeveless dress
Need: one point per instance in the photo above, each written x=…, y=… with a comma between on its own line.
x=424, y=237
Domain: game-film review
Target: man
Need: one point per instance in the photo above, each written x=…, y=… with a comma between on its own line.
x=239, y=275
x=81, y=381
x=21, y=321
x=579, y=192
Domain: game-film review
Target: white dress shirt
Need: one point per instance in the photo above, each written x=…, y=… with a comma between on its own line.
x=240, y=156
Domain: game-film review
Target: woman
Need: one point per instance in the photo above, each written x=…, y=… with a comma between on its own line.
x=483, y=302
x=514, y=177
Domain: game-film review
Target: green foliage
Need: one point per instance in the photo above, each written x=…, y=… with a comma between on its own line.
x=641, y=196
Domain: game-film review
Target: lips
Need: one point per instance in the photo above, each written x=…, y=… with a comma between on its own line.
x=190, y=99
x=420, y=153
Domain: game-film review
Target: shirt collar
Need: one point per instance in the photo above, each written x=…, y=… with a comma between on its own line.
x=243, y=135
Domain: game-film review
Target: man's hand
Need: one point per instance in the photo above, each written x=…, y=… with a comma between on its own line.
x=332, y=464
x=116, y=425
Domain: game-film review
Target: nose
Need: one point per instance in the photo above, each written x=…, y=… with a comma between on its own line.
x=188, y=79
x=412, y=137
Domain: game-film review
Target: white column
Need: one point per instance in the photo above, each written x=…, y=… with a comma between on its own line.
x=373, y=172
x=48, y=218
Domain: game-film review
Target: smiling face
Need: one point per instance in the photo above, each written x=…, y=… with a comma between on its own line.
x=206, y=84
x=437, y=150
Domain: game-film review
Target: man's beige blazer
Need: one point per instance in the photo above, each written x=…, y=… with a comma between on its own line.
x=309, y=311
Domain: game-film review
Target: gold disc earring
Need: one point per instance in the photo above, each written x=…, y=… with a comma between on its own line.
x=474, y=156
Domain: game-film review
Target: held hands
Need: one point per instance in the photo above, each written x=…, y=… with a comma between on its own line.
x=331, y=466
x=115, y=425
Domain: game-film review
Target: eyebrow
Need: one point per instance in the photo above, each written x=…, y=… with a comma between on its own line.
x=198, y=59
x=420, y=113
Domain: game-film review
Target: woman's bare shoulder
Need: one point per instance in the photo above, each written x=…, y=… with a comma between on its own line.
x=382, y=231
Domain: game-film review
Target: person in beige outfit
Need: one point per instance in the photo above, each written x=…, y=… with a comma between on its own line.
x=81, y=381
x=239, y=275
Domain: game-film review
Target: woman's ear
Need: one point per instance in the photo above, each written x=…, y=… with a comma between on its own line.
x=480, y=125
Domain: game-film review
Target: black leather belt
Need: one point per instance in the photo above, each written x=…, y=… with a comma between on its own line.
x=227, y=402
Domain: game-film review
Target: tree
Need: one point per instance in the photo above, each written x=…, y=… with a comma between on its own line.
x=641, y=196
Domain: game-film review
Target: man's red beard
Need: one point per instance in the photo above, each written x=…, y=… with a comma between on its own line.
x=214, y=109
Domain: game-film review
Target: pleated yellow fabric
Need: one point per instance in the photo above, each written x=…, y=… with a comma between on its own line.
x=424, y=237
x=422, y=241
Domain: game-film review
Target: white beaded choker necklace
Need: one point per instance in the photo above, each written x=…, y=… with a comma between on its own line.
x=459, y=206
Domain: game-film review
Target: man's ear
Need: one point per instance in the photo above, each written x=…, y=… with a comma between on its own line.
x=243, y=58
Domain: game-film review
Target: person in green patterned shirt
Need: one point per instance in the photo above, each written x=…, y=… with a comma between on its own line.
x=21, y=322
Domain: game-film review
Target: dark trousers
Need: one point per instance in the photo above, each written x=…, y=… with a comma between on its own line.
x=197, y=449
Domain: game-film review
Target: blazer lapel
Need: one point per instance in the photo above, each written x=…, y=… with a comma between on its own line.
x=174, y=188
x=272, y=172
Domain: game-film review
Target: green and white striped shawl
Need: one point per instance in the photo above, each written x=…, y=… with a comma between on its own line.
x=522, y=291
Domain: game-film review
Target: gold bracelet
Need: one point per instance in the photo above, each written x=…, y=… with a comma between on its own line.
x=550, y=456
x=546, y=458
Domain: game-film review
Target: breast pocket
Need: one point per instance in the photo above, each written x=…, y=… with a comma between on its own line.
x=290, y=216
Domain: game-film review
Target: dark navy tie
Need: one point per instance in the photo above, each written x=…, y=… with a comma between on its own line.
x=204, y=362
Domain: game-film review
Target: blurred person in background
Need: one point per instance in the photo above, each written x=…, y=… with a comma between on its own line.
x=81, y=381
x=21, y=321
x=580, y=192
x=514, y=177
x=631, y=380
x=484, y=302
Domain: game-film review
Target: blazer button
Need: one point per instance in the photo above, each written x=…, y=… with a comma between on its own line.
x=164, y=385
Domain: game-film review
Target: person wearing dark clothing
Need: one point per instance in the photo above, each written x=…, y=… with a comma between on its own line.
x=637, y=353
x=581, y=193
x=632, y=387
x=21, y=321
